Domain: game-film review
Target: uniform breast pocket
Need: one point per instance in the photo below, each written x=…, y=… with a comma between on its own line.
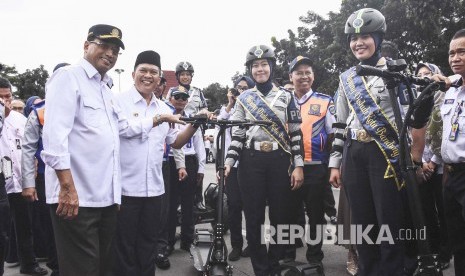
x=280, y=106
x=94, y=112
x=380, y=94
x=446, y=111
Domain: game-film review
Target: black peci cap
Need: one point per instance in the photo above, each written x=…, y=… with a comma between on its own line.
x=149, y=57
x=106, y=33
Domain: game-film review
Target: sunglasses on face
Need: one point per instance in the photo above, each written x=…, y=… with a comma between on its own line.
x=182, y=97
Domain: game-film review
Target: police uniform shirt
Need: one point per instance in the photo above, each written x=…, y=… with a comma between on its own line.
x=195, y=146
x=344, y=115
x=141, y=159
x=453, y=111
x=330, y=119
x=81, y=133
x=10, y=146
x=32, y=133
x=257, y=134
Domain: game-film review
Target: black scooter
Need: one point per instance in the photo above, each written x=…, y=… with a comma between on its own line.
x=210, y=214
x=209, y=250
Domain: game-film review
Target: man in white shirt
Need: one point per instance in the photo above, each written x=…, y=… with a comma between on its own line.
x=82, y=154
x=141, y=171
x=10, y=149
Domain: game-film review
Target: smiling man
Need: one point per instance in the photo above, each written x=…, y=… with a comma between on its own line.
x=317, y=111
x=139, y=219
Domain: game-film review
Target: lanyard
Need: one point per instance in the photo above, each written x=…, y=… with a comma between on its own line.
x=455, y=121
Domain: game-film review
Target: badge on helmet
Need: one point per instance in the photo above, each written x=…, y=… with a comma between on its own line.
x=366, y=20
x=259, y=52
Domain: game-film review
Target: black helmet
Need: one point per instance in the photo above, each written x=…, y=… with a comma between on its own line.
x=364, y=21
x=184, y=66
x=259, y=52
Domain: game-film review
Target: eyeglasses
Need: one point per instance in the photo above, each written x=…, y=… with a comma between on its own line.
x=106, y=46
x=182, y=97
x=303, y=74
x=239, y=87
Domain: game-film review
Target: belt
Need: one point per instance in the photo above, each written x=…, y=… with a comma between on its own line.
x=455, y=167
x=265, y=146
x=359, y=135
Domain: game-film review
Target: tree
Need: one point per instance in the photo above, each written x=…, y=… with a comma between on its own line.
x=31, y=83
x=27, y=84
x=216, y=95
x=421, y=29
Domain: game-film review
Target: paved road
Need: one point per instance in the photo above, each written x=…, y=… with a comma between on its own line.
x=181, y=264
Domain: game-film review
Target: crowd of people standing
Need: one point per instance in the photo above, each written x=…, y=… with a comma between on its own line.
x=104, y=173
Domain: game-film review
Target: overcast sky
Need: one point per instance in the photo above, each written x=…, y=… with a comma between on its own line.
x=213, y=35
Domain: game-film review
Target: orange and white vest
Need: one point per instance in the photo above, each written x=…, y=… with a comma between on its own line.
x=314, y=135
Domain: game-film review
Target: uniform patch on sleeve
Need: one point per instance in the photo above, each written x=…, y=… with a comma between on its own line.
x=332, y=109
x=448, y=101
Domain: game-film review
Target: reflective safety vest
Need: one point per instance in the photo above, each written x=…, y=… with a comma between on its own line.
x=314, y=135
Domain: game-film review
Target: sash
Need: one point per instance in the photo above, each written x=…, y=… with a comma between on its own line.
x=374, y=122
x=257, y=107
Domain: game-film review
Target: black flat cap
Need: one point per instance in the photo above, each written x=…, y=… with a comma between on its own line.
x=106, y=33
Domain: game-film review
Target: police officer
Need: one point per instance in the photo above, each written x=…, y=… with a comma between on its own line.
x=196, y=102
x=369, y=155
x=317, y=111
x=453, y=152
x=265, y=155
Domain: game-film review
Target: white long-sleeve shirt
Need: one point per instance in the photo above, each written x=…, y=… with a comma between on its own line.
x=83, y=123
x=141, y=160
x=195, y=146
x=10, y=146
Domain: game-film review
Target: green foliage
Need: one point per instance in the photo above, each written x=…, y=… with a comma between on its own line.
x=421, y=29
x=30, y=83
x=216, y=95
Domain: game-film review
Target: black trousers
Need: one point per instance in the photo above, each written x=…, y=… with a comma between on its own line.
x=454, y=209
x=234, y=209
x=263, y=177
x=435, y=220
x=42, y=229
x=312, y=193
x=137, y=235
x=4, y=222
x=165, y=209
x=376, y=201
x=84, y=244
x=20, y=211
x=182, y=192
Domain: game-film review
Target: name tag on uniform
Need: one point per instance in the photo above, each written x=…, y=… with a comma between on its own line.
x=449, y=101
x=453, y=132
x=314, y=109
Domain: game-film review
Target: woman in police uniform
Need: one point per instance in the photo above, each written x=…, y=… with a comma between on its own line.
x=366, y=149
x=265, y=157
